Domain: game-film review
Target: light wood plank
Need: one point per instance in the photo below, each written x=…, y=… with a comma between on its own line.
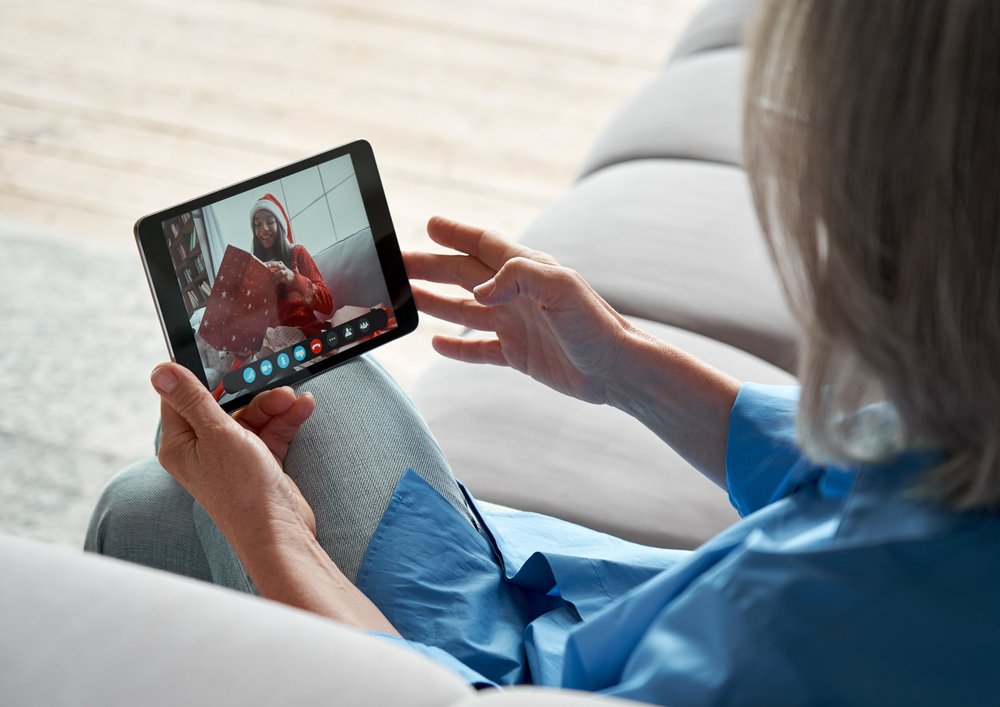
x=477, y=109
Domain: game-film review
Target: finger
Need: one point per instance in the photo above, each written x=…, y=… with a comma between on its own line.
x=470, y=350
x=176, y=440
x=459, y=310
x=460, y=270
x=548, y=284
x=185, y=395
x=489, y=246
x=281, y=429
x=264, y=407
x=177, y=436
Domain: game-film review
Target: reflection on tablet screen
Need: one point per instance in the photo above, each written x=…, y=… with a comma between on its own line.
x=287, y=266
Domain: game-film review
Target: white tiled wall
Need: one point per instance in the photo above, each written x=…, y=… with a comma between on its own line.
x=324, y=204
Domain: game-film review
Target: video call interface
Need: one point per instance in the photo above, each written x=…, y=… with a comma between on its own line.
x=279, y=277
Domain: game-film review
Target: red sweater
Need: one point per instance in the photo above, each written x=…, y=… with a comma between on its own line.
x=297, y=302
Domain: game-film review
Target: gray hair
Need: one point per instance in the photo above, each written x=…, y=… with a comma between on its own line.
x=872, y=142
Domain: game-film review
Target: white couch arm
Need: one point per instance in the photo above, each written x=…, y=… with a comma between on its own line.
x=79, y=629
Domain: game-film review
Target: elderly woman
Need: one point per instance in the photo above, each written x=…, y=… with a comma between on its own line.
x=865, y=568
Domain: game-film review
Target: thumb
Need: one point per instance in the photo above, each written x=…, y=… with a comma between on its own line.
x=185, y=395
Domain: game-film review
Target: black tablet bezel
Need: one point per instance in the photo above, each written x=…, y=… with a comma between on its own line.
x=168, y=298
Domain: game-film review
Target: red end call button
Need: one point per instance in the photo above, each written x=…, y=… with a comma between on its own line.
x=315, y=346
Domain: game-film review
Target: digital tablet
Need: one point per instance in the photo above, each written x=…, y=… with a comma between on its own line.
x=280, y=277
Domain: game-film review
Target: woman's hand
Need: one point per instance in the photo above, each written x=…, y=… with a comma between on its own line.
x=549, y=323
x=233, y=468
x=232, y=465
x=280, y=274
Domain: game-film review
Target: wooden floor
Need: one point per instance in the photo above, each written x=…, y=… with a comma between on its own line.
x=477, y=109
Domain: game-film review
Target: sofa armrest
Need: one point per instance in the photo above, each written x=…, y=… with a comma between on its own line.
x=718, y=25
x=79, y=629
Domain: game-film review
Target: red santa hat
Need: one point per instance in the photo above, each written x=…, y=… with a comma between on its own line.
x=270, y=203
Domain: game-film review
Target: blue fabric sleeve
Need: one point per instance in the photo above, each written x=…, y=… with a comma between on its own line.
x=441, y=657
x=762, y=447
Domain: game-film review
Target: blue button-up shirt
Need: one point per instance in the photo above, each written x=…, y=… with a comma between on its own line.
x=838, y=587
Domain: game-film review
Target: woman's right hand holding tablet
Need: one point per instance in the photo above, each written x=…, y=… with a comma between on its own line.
x=550, y=324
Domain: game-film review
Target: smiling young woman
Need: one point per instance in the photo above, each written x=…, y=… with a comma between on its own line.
x=301, y=289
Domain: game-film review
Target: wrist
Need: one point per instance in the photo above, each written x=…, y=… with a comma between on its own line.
x=683, y=400
x=287, y=564
x=280, y=555
x=639, y=353
x=260, y=536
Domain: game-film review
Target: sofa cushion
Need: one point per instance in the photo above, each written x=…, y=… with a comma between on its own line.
x=515, y=442
x=719, y=24
x=677, y=242
x=352, y=272
x=79, y=629
x=691, y=110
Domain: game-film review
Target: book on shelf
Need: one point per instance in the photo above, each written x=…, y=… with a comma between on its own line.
x=198, y=264
x=187, y=275
x=205, y=288
x=194, y=241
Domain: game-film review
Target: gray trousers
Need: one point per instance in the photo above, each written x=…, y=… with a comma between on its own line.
x=346, y=460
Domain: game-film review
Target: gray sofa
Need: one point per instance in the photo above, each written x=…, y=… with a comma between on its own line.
x=660, y=221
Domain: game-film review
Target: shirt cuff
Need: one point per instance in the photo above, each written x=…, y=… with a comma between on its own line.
x=441, y=657
x=763, y=444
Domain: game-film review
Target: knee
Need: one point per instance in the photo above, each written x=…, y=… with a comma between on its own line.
x=351, y=378
x=129, y=503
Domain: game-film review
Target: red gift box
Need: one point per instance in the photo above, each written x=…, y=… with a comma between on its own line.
x=243, y=304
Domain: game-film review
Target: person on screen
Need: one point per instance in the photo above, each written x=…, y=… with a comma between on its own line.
x=301, y=289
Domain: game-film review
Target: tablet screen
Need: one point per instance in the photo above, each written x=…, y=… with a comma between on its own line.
x=279, y=277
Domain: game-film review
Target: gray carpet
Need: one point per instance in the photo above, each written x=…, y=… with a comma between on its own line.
x=79, y=337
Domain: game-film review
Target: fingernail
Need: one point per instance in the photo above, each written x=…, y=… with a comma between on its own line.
x=164, y=380
x=486, y=288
